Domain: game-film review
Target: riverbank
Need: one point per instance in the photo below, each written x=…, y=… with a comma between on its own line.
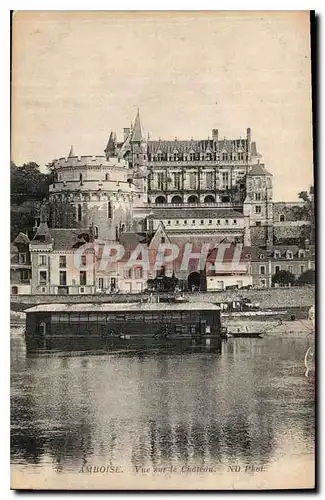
x=272, y=298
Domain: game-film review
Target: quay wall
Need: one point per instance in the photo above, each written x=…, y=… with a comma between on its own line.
x=268, y=298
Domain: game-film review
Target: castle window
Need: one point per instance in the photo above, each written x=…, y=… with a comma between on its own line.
x=262, y=269
x=290, y=269
x=96, y=232
x=163, y=239
x=193, y=222
x=43, y=260
x=224, y=156
x=235, y=221
x=128, y=273
x=175, y=157
x=177, y=222
x=177, y=180
x=240, y=156
x=208, y=156
x=62, y=261
x=168, y=222
x=226, y=221
x=63, y=278
x=277, y=254
x=42, y=277
x=282, y=218
x=109, y=210
x=261, y=256
x=225, y=178
x=258, y=183
x=84, y=260
x=160, y=181
x=302, y=269
x=289, y=255
x=210, y=221
x=202, y=221
x=22, y=258
x=185, y=222
x=79, y=213
x=80, y=178
x=159, y=156
x=83, y=278
x=301, y=254
x=258, y=209
x=192, y=156
x=218, y=222
x=209, y=180
x=106, y=177
x=257, y=196
x=193, y=180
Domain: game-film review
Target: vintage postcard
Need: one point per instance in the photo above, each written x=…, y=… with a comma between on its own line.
x=162, y=251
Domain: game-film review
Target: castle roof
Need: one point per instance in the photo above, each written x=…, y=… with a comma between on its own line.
x=199, y=213
x=258, y=169
x=196, y=146
x=137, y=132
x=69, y=239
x=21, y=239
x=111, y=143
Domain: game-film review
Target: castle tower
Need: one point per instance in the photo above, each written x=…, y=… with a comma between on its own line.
x=258, y=206
x=138, y=143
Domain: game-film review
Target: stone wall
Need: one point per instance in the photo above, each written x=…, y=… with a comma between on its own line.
x=269, y=298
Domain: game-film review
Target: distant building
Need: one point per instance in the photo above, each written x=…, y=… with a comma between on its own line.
x=20, y=266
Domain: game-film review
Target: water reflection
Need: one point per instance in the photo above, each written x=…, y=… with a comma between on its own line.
x=250, y=403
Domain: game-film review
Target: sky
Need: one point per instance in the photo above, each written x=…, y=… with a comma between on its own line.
x=78, y=75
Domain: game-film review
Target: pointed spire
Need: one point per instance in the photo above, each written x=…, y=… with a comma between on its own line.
x=71, y=152
x=137, y=132
x=110, y=149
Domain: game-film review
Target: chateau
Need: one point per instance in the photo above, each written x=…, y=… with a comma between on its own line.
x=199, y=191
x=195, y=187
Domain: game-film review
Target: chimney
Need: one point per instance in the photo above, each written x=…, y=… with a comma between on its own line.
x=215, y=135
x=126, y=133
x=249, y=141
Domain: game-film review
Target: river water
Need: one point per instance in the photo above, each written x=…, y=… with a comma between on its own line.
x=249, y=405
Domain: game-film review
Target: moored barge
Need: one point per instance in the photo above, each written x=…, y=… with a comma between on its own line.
x=55, y=326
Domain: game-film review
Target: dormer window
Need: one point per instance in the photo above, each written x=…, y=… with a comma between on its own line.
x=224, y=156
x=289, y=255
x=261, y=256
x=282, y=218
x=277, y=254
x=192, y=156
x=301, y=254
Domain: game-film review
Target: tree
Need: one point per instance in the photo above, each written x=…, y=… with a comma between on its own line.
x=306, y=278
x=28, y=186
x=283, y=278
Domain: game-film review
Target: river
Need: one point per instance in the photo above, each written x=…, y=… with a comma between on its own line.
x=198, y=414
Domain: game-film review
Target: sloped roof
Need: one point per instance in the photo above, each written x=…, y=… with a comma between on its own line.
x=130, y=239
x=21, y=238
x=111, y=143
x=258, y=169
x=197, y=213
x=68, y=239
x=137, y=134
x=42, y=234
x=197, y=145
